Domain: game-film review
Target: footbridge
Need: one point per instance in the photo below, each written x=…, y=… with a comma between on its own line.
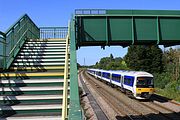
x=39, y=76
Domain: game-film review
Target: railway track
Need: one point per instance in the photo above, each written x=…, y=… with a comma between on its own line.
x=126, y=111
x=98, y=111
x=159, y=98
x=175, y=103
x=154, y=107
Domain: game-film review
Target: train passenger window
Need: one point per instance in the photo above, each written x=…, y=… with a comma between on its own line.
x=128, y=80
x=106, y=75
x=99, y=73
x=116, y=77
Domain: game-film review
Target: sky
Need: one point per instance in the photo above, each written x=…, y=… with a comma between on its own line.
x=58, y=12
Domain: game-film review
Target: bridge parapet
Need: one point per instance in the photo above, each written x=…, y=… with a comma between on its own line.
x=53, y=32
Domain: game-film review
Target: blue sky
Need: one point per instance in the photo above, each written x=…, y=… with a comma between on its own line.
x=58, y=12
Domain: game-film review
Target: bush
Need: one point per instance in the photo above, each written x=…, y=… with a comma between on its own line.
x=161, y=80
x=171, y=90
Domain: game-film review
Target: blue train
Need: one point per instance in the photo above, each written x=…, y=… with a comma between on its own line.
x=134, y=83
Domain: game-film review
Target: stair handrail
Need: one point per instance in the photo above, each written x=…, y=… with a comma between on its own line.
x=24, y=28
x=2, y=50
x=65, y=88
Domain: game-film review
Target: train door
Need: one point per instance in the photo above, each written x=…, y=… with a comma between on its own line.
x=96, y=73
x=100, y=75
x=134, y=85
x=110, y=78
x=122, y=82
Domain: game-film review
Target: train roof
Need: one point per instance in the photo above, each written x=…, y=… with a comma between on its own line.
x=125, y=72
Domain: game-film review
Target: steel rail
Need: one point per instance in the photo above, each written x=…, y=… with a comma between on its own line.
x=173, y=102
x=157, y=111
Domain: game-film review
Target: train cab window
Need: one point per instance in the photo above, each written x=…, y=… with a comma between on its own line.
x=128, y=80
x=144, y=82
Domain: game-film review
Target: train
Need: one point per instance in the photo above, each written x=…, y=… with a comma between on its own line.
x=136, y=84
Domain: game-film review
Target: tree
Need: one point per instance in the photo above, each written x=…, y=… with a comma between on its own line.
x=111, y=57
x=111, y=63
x=78, y=65
x=144, y=58
x=172, y=62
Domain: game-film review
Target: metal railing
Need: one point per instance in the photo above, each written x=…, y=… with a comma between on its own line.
x=65, y=89
x=15, y=37
x=2, y=52
x=90, y=11
x=53, y=32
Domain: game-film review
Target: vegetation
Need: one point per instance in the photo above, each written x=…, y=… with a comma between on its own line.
x=168, y=82
x=165, y=66
x=145, y=58
x=111, y=63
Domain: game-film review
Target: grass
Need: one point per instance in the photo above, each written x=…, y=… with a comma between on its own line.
x=171, y=90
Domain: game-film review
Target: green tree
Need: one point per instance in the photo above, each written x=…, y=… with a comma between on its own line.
x=78, y=65
x=111, y=57
x=172, y=62
x=145, y=58
x=111, y=63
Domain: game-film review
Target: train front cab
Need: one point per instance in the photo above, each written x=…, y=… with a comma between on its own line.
x=144, y=87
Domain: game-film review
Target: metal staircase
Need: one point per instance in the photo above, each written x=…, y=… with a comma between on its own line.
x=38, y=72
x=33, y=87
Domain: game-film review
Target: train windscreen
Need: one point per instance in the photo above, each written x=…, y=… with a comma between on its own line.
x=145, y=82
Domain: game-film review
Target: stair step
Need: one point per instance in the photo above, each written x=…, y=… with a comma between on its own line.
x=32, y=81
x=46, y=42
x=42, y=88
x=38, y=63
x=40, y=60
x=43, y=50
x=31, y=97
x=44, y=117
x=51, y=39
x=60, y=39
x=44, y=47
x=43, y=92
x=32, y=107
x=23, y=74
x=42, y=57
x=53, y=45
x=42, y=53
x=38, y=68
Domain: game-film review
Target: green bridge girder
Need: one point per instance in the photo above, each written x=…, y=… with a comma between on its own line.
x=127, y=27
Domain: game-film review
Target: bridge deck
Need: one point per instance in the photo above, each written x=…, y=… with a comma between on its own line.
x=127, y=27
